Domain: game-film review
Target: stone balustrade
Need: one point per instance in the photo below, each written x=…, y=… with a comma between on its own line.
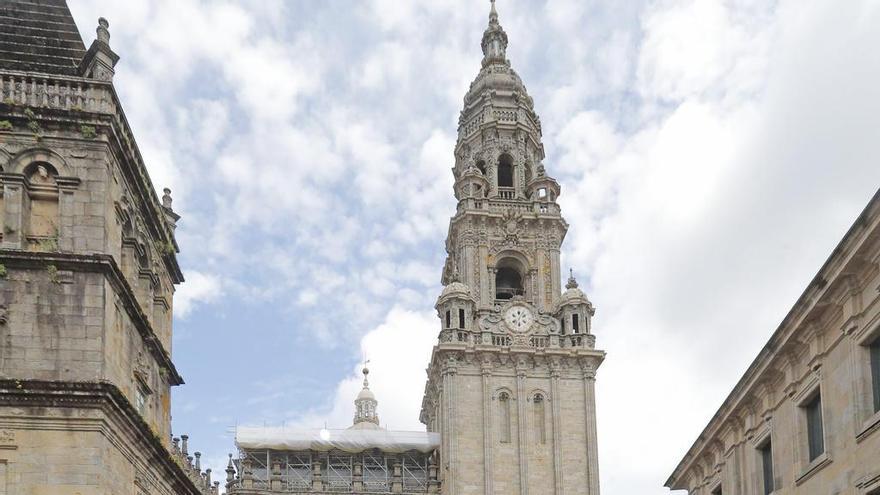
x=192, y=466
x=57, y=92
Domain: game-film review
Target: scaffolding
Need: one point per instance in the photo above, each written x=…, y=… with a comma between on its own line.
x=372, y=471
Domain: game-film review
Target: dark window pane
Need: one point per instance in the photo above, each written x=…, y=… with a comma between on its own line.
x=575, y=323
x=875, y=372
x=767, y=465
x=815, y=434
x=448, y=322
x=460, y=318
x=717, y=491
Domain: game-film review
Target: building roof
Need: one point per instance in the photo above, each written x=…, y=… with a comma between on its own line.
x=39, y=36
x=350, y=440
x=864, y=232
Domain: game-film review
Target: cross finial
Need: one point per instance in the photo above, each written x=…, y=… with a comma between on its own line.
x=572, y=283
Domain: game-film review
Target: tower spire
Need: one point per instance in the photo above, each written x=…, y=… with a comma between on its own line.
x=494, y=40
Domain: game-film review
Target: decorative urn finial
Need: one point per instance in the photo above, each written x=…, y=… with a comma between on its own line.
x=572, y=283
x=103, y=32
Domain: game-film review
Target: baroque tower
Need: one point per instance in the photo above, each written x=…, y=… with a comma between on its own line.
x=511, y=380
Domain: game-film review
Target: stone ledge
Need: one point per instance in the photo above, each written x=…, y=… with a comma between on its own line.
x=96, y=395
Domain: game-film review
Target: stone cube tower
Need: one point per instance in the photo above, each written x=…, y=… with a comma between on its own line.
x=87, y=274
x=511, y=381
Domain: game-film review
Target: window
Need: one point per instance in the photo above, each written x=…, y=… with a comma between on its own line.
x=540, y=423
x=505, y=171
x=815, y=430
x=575, y=323
x=542, y=193
x=717, y=490
x=448, y=319
x=504, y=405
x=140, y=400
x=460, y=318
x=766, y=452
x=481, y=166
x=875, y=373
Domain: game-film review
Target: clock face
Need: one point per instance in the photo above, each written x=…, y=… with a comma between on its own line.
x=518, y=318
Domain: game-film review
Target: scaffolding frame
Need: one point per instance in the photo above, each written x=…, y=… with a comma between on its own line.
x=376, y=477
x=415, y=472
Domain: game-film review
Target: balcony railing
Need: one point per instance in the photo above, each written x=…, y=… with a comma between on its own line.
x=506, y=193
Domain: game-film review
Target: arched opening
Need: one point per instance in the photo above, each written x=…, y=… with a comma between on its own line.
x=509, y=279
x=504, y=412
x=505, y=171
x=481, y=166
x=540, y=421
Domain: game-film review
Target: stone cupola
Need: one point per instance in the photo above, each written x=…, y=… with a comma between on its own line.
x=365, y=417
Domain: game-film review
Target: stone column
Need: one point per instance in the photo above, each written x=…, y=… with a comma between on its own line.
x=486, y=298
x=15, y=220
x=522, y=440
x=590, y=416
x=397, y=476
x=542, y=288
x=66, y=218
x=486, y=369
x=555, y=274
x=449, y=389
x=557, y=423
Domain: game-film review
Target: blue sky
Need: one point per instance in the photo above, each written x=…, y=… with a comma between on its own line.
x=711, y=155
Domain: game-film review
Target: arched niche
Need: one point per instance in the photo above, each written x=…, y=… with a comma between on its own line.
x=511, y=275
x=41, y=179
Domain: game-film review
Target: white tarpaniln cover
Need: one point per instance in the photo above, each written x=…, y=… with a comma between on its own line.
x=352, y=441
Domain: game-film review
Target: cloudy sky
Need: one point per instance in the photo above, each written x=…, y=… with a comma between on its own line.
x=711, y=154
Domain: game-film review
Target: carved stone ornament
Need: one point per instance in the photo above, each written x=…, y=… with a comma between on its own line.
x=7, y=437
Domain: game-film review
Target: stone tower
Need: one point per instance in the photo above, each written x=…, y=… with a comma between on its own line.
x=511, y=380
x=87, y=273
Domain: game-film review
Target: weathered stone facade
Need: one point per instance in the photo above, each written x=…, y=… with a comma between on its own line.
x=804, y=418
x=88, y=273
x=511, y=381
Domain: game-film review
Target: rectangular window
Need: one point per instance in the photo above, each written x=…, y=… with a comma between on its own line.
x=448, y=320
x=460, y=318
x=575, y=324
x=815, y=430
x=875, y=373
x=766, y=451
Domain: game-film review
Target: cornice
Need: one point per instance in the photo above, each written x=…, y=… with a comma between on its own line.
x=96, y=395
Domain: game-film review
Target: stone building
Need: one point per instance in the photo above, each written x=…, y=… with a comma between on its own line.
x=365, y=458
x=804, y=418
x=510, y=384
x=87, y=274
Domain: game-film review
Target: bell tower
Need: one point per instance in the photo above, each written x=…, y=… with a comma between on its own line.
x=511, y=380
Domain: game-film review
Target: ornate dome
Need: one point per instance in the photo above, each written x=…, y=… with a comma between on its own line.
x=456, y=289
x=573, y=295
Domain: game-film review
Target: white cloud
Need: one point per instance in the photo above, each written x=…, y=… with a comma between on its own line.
x=397, y=349
x=199, y=288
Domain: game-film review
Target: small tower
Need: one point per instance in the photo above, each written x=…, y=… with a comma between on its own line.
x=365, y=417
x=576, y=313
x=455, y=307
